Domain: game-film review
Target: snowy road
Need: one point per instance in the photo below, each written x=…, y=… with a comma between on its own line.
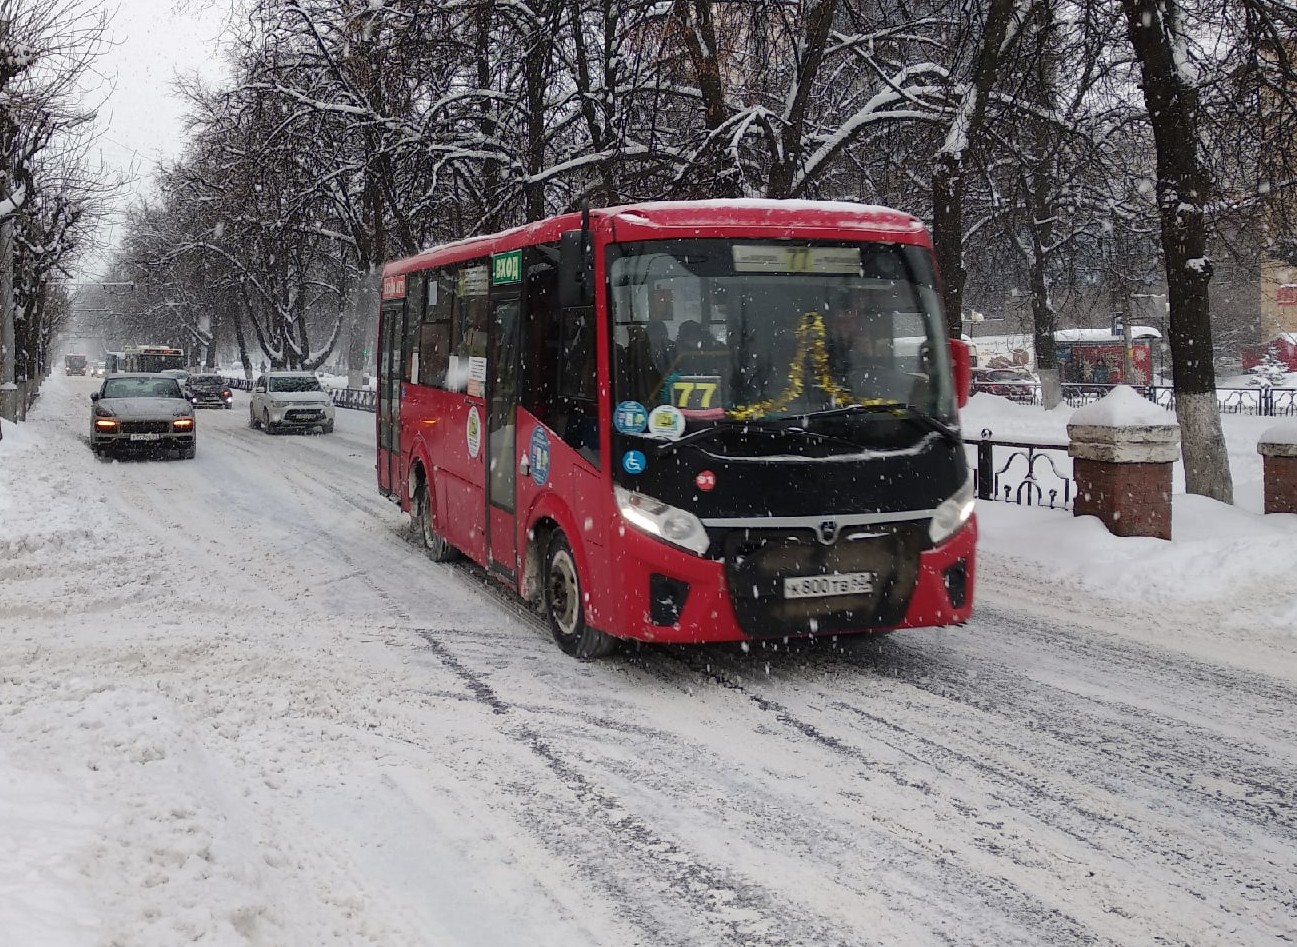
x=238, y=708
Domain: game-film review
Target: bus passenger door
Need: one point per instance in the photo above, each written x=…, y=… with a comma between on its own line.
x=502, y=418
x=391, y=332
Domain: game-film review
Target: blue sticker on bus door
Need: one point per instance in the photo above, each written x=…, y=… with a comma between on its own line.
x=634, y=462
x=538, y=456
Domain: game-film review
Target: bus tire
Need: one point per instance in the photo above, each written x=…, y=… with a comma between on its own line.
x=565, y=605
x=435, y=546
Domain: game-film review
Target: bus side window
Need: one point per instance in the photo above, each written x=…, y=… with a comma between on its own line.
x=435, y=330
x=413, y=316
x=541, y=333
x=471, y=312
x=576, y=407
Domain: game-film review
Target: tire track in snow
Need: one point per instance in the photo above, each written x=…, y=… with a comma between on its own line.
x=1054, y=780
x=646, y=861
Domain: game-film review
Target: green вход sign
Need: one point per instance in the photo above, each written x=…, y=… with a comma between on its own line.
x=506, y=267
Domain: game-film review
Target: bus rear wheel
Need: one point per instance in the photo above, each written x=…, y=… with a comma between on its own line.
x=434, y=544
x=565, y=605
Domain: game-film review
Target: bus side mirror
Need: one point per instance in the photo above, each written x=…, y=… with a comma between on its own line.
x=575, y=269
x=962, y=363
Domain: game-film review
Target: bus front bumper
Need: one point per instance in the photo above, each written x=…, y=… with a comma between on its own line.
x=668, y=596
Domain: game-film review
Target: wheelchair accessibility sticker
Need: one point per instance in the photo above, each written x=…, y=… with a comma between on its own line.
x=634, y=462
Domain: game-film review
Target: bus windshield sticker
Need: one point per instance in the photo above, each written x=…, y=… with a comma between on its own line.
x=538, y=456
x=506, y=267
x=477, y=376
x=630, y=418
x=779, y=258
x=474, y=432
x=666, y=420
x=634, y=462
x=705, y=481
x=473, y=281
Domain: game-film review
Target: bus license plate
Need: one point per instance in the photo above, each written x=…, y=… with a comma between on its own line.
x=820, y=586
x=146, y=437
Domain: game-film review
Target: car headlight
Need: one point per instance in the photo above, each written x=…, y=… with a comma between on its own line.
x=952, y=513
x=105, y=424
x=103, y=412
x=182, y=424
x=662, y=521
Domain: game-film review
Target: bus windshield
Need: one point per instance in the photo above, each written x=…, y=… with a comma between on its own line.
x=748, y=330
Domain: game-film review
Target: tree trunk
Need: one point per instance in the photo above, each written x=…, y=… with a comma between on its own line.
x=1183, y=187
x=948, y=238
x=947, y=175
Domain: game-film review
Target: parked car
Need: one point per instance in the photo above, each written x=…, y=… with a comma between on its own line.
x=100, y=370
x=290, y=400
x=208, y=389
x=1006, y=383
x=142, y=412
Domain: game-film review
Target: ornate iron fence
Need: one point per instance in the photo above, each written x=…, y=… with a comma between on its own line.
x=1029, y=475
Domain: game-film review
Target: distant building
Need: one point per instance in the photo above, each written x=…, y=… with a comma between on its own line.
x=1278, y=300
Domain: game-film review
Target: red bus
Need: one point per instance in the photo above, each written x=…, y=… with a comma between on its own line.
x=684, y=422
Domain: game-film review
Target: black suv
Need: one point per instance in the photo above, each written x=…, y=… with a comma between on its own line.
x=208, y=390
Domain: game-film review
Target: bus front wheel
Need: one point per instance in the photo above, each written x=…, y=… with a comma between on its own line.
x=434, y=544
x=565, y=605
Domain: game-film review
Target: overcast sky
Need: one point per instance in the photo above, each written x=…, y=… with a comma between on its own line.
x=152, y=42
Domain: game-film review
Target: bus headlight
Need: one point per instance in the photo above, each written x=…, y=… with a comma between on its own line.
x=952, y=513
x=661, y=521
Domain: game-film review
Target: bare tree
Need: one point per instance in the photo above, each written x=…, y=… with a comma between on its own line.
x=46, y=50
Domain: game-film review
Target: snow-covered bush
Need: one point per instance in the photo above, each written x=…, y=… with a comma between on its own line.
x=1272, y=371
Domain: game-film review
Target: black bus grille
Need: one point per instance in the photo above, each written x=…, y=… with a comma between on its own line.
x=758, y=561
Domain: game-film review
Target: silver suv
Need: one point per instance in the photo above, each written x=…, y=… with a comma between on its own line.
x=290, y=400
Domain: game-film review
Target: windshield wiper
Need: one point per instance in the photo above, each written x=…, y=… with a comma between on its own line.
x=751, y=427
x=904, y=412
x=707, y=434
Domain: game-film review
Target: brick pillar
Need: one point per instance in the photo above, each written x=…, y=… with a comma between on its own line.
x=1123, y=474
x=1278, y=450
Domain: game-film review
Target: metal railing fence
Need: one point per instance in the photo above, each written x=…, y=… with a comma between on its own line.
x=358, y=399
x=1261, y=400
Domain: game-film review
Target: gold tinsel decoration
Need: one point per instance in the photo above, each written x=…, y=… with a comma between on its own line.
x=810, y=343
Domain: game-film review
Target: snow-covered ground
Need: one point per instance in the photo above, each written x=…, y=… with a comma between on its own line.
x=237, y=708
